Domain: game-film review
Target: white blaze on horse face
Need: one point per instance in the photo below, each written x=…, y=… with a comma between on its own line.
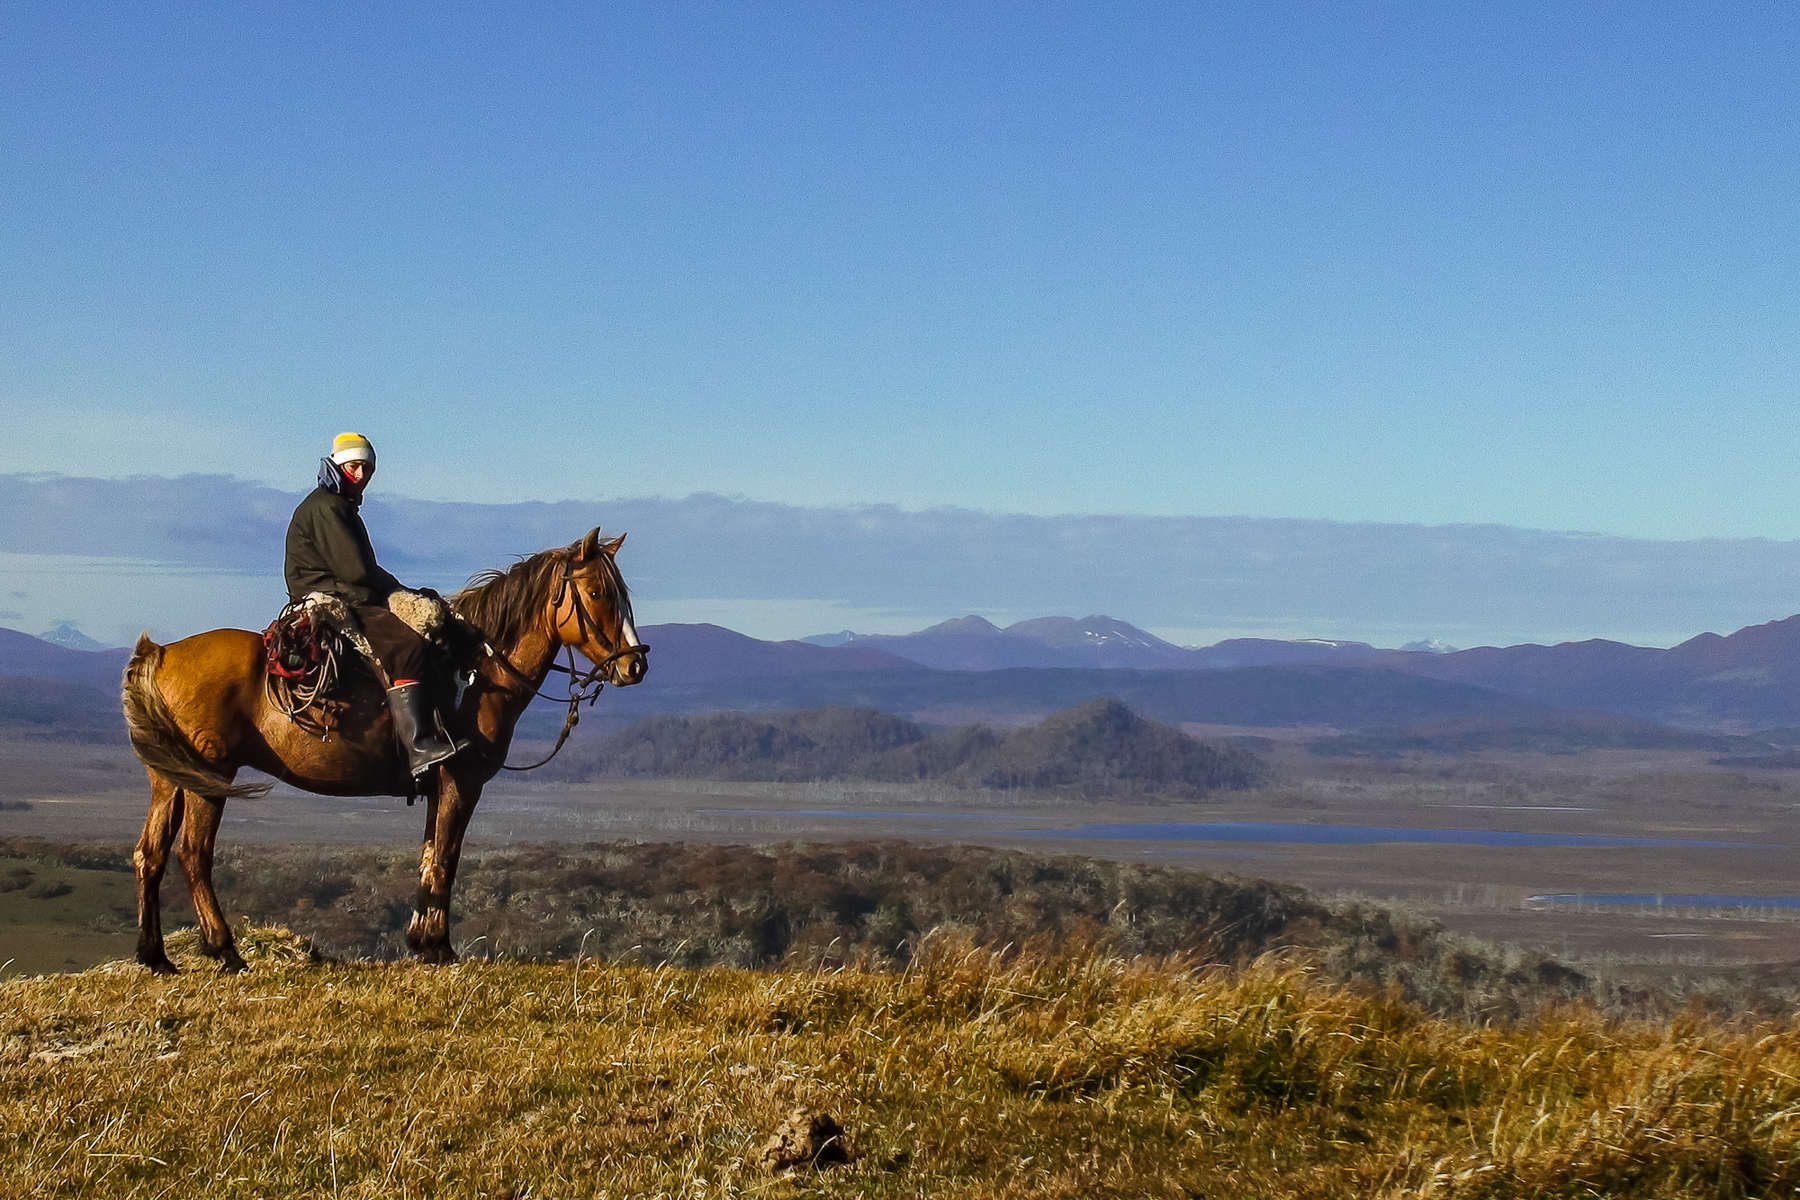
x=627, y=634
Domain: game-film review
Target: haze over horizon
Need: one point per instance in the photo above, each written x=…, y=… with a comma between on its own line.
x=178, y=555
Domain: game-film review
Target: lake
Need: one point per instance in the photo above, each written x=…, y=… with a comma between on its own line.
x=1669, y=900
x=1257, y=831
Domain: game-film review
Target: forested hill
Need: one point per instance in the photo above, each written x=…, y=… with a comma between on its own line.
x=1098, y=748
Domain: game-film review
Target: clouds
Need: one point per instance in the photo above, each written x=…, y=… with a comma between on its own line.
x=775, y=570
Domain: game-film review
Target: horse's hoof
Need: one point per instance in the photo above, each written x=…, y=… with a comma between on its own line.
x=437, y=956
x=160, y=966
x=230, y=961
x=428, y=935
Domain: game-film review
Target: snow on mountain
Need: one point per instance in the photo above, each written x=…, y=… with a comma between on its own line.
x=66, y=635
x=1090, y=631
x=1430, y=646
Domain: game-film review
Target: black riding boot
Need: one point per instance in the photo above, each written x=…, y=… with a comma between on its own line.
x=416, y=728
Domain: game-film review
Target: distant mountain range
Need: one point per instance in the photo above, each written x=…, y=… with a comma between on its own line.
x=702, y=654
x=1746, y=681
x=971, y=670
x=34, y=658
x=974, y=643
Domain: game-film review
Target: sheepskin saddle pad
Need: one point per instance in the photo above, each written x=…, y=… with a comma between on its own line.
x=322, y=614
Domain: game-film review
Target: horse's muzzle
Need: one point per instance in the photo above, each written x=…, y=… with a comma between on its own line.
x=627, y=666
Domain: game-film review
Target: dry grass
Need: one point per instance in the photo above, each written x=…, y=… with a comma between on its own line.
x=966, y=1075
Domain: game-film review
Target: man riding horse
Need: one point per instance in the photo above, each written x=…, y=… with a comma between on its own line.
x=199, y=709
x=328, y=550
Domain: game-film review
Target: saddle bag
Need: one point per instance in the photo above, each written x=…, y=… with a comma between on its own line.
x=291, y=644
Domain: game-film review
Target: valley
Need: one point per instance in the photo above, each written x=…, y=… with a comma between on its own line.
x=1681, y=826
x=1450, y=784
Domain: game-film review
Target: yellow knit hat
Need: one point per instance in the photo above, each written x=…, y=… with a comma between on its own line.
x=349, y=447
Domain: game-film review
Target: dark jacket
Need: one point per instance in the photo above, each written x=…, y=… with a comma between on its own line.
x=328, y=548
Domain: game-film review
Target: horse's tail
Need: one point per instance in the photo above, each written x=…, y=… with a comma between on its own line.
x=158, y=741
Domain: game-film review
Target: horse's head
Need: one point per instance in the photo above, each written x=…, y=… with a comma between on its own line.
x=592, y=610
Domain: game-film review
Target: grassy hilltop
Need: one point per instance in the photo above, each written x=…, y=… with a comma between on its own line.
x=966, y=1074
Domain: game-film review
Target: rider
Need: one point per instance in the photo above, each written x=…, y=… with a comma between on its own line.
x=328, y=550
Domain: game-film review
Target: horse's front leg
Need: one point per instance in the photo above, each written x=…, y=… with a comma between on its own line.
x=447, y=814
x=149, y=859
x=198, y=837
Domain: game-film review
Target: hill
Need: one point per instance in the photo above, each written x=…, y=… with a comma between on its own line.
x=25, y=656
x=1556, y=733
x=1741, y=682
x=1051, y=1073
x=60, y=711
x=700, y=653
x=1100, y=748
x=805, y=904
x=1304, y=695
x=821, y=743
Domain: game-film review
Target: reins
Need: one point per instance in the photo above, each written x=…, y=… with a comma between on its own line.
x=579, y=683
x=583, y=685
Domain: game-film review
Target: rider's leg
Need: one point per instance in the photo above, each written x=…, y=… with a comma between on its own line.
x=402, y=653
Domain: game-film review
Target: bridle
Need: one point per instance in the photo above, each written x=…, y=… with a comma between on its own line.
x=584, y=686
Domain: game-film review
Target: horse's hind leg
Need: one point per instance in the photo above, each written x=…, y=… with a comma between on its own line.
x=198, y=836
x=149, y=859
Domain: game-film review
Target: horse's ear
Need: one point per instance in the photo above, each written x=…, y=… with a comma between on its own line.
x=588, y=546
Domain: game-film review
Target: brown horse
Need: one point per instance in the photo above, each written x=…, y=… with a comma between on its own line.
x=197, y=712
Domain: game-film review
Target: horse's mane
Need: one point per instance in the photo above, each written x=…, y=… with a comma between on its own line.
x=501, y=601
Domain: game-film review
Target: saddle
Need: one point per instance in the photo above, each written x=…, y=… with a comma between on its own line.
x=306, y=645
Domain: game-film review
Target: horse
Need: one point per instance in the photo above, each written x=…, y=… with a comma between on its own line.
x=197, y=711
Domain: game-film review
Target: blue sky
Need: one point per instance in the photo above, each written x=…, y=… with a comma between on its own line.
x=1509, y=264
